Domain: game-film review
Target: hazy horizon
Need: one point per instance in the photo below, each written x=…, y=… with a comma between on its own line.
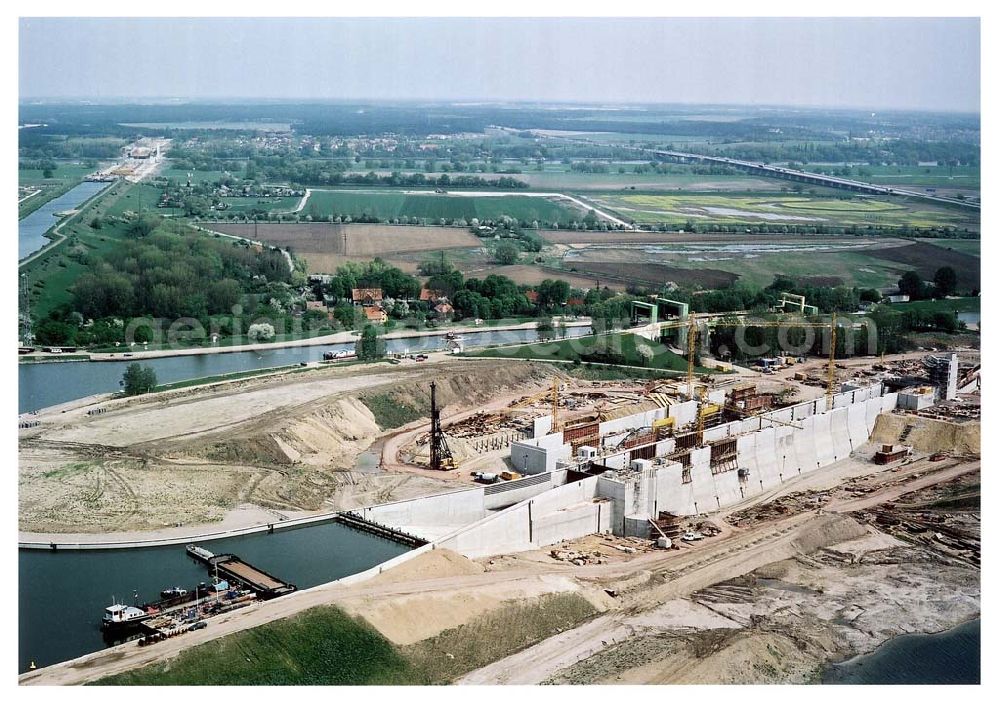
x=921, y=64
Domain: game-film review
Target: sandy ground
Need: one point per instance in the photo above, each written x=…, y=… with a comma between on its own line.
x=283, y=444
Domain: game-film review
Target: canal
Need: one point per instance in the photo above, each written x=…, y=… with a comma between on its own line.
x=951, y=657
x=62, y=594
x=31, y=229
x=49, y=383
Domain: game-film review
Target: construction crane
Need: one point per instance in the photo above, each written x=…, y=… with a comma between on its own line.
x=551, y=393
x=441, y=457
x=692, y=338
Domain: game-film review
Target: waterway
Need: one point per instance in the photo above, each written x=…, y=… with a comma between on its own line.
x=951, y=657
x=62, y=594
x=52, y=382
x=31, y=229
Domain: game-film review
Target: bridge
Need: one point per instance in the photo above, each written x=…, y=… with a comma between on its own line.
x=758, y=168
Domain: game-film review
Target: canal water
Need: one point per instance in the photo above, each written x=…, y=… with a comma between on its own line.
x=62, y=594
x=969, y=317
x=32, y=228
x=49, y=383
x=951, y=657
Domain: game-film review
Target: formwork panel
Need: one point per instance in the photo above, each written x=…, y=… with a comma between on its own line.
x=873, y=406
x=805, y=445
x=786, y=456
x=856, y=425
x=823, y=440
x=767, y=459
x=840, y=433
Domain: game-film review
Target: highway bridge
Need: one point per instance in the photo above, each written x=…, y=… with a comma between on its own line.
x=757, y=168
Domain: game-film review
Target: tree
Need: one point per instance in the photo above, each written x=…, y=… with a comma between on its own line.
x=261, y=331
x=138, y=379
x=912, y=284
x=47, y=173
x=506, y=252
x=645, y=353
x=370, y=346
x=946, y=280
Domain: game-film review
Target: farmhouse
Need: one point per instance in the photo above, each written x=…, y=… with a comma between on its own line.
x=375, y=314
x=366, y=296
x=427, y=295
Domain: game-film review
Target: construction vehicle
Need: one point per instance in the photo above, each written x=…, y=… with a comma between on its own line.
x=441, y=457
x=507, y=475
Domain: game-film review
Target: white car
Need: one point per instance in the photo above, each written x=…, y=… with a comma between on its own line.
x=692, y=536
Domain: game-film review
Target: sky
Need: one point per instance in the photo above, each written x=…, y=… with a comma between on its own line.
x=925, y=63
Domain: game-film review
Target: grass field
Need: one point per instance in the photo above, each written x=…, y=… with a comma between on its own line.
x=141, y=197
x=396, y=204
x=242, y=205
x=781, y=208
x=321, y=646
x=950, y=178
x=712, y=260
x=196, y=176
x=958, y=304
x=586, y=348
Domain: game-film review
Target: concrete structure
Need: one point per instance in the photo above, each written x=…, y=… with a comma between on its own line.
x=916, y=399
x=634, y=473
x=943, y=373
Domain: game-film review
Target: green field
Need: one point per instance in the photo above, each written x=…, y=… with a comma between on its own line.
x=397, y=204
x=957, y=304
x=241, y=205
x=583, y=348
x=196, y=176
x=784, y=209
x=915, y=176
x=141, y=197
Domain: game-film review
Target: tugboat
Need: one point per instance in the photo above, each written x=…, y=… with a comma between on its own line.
x=120, y=617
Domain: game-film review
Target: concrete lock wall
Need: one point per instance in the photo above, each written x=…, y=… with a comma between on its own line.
x=772, y=454
x=614, y=491
x=448, y=509
x=856, y=427
x=554, y=515
x=503, y=494
x=684, y=413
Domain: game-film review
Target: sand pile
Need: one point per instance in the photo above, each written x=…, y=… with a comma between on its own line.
x=928, y=435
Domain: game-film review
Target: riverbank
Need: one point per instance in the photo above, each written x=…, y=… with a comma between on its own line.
x=949, y=657
x=328, y=339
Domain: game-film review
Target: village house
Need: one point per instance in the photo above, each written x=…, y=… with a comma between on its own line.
x=375, y=314
x=366, y=296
